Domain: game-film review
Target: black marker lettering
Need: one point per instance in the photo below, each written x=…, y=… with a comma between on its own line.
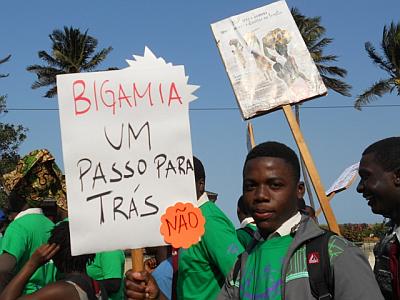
x=116, y=210
x=157, y=160
x=101, y=203
x=149, y=204
x=96, y=176
x=116, y=147
x=119, y=178
x=83, y=173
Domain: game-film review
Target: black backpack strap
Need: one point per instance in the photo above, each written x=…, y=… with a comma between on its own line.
x=236, y=268
x=319, y=267
x=248, y=230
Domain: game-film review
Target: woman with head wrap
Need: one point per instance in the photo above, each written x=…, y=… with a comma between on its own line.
x=35, y=179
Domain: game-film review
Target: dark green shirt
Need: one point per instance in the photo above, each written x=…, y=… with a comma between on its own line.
x=204, y=266
x=109, y=265
x=22, y=237
x=261, y=278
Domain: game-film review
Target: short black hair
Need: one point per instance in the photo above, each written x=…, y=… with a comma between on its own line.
x=63, y=259
x=199, y=172
x=278, y=150
x=386, y=153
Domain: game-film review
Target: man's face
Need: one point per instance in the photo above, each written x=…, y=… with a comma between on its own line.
x=271, y=192
x=378, y=188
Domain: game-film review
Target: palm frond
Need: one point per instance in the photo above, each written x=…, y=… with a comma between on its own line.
x=389, y=62
x=332, y=70
x=45, y=75
x=337, y=85
x=319, y=46
x=391, y=44
x=97, y=59
x=2, y=61
x=67, y=61
x=310, y=28
x=378, y=89
x=325, y=58
x=377, y=59
x=51, y=93
x=43, y=55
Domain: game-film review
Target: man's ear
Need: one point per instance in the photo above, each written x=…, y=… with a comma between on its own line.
x=300, y=190
x=396, y=174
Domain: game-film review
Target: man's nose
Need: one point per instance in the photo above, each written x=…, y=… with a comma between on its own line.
x=262, y=193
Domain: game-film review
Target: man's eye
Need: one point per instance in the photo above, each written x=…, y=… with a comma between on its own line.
x=249, y=186
x=276, y=185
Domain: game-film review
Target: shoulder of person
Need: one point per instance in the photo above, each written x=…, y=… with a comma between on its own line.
x=210, y=209
x=338, y=246
x=17, y=226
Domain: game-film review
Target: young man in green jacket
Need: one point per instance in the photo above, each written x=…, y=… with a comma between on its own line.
x=275, y=268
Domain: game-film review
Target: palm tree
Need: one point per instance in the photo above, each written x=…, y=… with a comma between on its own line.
x=313, y=34
x=72, y=52
x=389, y=62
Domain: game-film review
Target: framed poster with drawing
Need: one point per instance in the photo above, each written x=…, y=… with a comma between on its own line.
x=266, y=59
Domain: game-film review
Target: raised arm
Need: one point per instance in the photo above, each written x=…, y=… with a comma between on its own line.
x=43, y=254
x=7, y=265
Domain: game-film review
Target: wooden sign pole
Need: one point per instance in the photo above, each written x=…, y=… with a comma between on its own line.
x=251, y=135
x=137, y=259
x=330, y=197
x=312, y=171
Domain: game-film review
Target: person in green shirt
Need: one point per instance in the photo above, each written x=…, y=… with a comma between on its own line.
x=203, y=266
x=108, y=268
x=29, y=230
x=35, y=178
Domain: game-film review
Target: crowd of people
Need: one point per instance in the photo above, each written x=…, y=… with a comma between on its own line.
x=279, y=251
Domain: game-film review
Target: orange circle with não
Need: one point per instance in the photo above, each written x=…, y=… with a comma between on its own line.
x=182, y=225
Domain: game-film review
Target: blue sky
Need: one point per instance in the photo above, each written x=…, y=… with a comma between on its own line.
x=180, y=32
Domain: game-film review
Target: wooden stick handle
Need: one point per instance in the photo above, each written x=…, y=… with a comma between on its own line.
x=330, y=197
x=251, y=135
x=137, y=259
x=312, y=170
